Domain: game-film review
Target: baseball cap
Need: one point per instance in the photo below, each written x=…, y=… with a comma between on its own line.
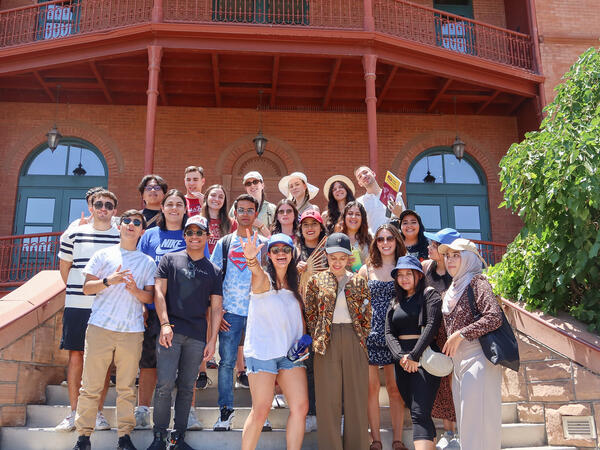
x=407, y=262
x=338, y=242
x=280, y=238
x=444, y=236
x=253, y=175
x=199, y=221
x=312, y=213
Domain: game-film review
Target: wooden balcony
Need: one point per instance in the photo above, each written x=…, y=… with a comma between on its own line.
x=63, y=19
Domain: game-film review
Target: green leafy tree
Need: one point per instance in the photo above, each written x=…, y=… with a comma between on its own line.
x=552, y=179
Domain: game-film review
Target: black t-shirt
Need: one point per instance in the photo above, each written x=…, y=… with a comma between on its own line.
x=189, y=287
x=149, y=214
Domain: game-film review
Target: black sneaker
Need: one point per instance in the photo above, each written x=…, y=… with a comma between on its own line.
x=203, y=381
x=125, y=443
x=159, y=442
x=177, y=441
x=242, y=380
x=224, y=422
x=83, y=443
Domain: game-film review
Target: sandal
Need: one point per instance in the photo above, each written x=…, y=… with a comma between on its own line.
x=398, y=445
x=376, y=445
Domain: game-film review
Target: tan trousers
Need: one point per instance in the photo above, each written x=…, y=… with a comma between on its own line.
x=477, y=398
x=342, y=374
x=101, y=346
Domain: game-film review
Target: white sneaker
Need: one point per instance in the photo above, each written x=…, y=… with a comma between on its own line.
x=442, y=444
x=267, y=426
x=142, y=417
x=279, y=401
x=193, y=422
x=101, y=422
x=225, y=420
x=311, y=424
x=68, y=423
x=454, y=444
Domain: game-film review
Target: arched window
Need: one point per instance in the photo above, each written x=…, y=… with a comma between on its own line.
x=449, y=193
x=52, y=185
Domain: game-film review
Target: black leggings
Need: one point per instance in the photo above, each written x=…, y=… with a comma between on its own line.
x=418, y=391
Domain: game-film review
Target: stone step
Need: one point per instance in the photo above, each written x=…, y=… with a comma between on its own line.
x=544, y=447
x=523, y=435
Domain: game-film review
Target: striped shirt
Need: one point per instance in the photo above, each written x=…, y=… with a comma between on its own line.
x=115, y=308
x=77, y=245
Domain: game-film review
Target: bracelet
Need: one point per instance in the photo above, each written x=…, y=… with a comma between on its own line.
x=166, y=324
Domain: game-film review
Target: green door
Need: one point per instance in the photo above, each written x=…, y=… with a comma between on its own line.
x=50, y=195
x=456, y=199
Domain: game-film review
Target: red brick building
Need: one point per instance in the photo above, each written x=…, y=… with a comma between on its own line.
x=138, y=86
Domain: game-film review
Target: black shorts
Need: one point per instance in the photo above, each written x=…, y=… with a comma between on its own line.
x=75, y=322
x=151, y=333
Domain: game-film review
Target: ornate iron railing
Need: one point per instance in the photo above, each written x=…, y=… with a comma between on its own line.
x=63, y=18
x=22, y=256
x=491, y=252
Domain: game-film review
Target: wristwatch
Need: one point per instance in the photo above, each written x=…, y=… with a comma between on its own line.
x=105, y=282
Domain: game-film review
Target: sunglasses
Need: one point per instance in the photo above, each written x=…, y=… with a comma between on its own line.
x=108, y=205
x=128, y=220
x=154, y=187
x=190, y=233
x=251, y=182
x=385, y=239
x=249, y=211
x=276, y=250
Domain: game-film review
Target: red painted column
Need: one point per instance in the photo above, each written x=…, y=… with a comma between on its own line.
x=369, y=19
x=157, y=11
x=154, y=57
x=369, y=65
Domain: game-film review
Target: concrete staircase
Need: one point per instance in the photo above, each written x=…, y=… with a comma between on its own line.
x=38, y=433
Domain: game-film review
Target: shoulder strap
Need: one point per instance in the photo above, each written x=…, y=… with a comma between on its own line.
x=472, y=305
x=225, y=250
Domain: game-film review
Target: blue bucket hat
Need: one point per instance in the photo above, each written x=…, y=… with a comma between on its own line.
x=444, y=236
x=280, y=238
x=407, y=262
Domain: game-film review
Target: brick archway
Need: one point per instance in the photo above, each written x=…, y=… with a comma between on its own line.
x=240, y=158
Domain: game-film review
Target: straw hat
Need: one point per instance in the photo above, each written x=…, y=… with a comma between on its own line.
x=285, y=181
x=347, y=181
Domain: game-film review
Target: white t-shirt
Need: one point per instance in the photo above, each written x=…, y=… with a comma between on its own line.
x=115, y=308
x=77, y=245
x=376, y=210
x=340, y=312
x=274, y=324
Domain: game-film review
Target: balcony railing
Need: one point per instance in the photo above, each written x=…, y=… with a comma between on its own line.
x=22, y=256
x=63, y=18
x=491, y=252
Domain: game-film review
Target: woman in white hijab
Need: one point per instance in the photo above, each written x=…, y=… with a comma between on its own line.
x=476, y=381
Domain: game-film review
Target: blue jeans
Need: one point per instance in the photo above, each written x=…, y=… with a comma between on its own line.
x=176, y=366
x=228, y=350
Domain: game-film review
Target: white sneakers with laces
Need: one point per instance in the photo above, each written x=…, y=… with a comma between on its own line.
x=101, y=422
x=68, y=423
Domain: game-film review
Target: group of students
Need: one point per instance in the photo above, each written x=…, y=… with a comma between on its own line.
x=151, y=293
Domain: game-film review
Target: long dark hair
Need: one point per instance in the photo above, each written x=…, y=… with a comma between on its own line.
x=374, y=253
x=422, y=241
x=225, y=225
x=362, y=235
x=333, y=210
x=291, y=277
x=276, y=226
x=161, y=221
x=419, y=287
x=301, y=241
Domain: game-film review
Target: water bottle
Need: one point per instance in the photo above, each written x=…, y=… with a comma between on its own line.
x=295, y=352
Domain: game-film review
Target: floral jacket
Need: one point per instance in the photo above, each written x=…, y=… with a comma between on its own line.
x=319, y=303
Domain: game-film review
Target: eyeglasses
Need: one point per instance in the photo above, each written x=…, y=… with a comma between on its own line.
x=276, y=250
x=154, y=187
x=249, y=211
x=383, y=239
x=251, y=182
x=190, y=233
x=283, y=212
x=108, y=205
x=128, y=220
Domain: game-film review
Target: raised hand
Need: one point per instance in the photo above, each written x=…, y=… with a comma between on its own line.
x=119, y=276
x=250, y=248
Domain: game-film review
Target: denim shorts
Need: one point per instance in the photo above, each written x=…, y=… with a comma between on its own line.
x=274, y=365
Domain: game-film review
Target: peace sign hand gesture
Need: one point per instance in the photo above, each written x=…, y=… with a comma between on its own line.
x=250, y=248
